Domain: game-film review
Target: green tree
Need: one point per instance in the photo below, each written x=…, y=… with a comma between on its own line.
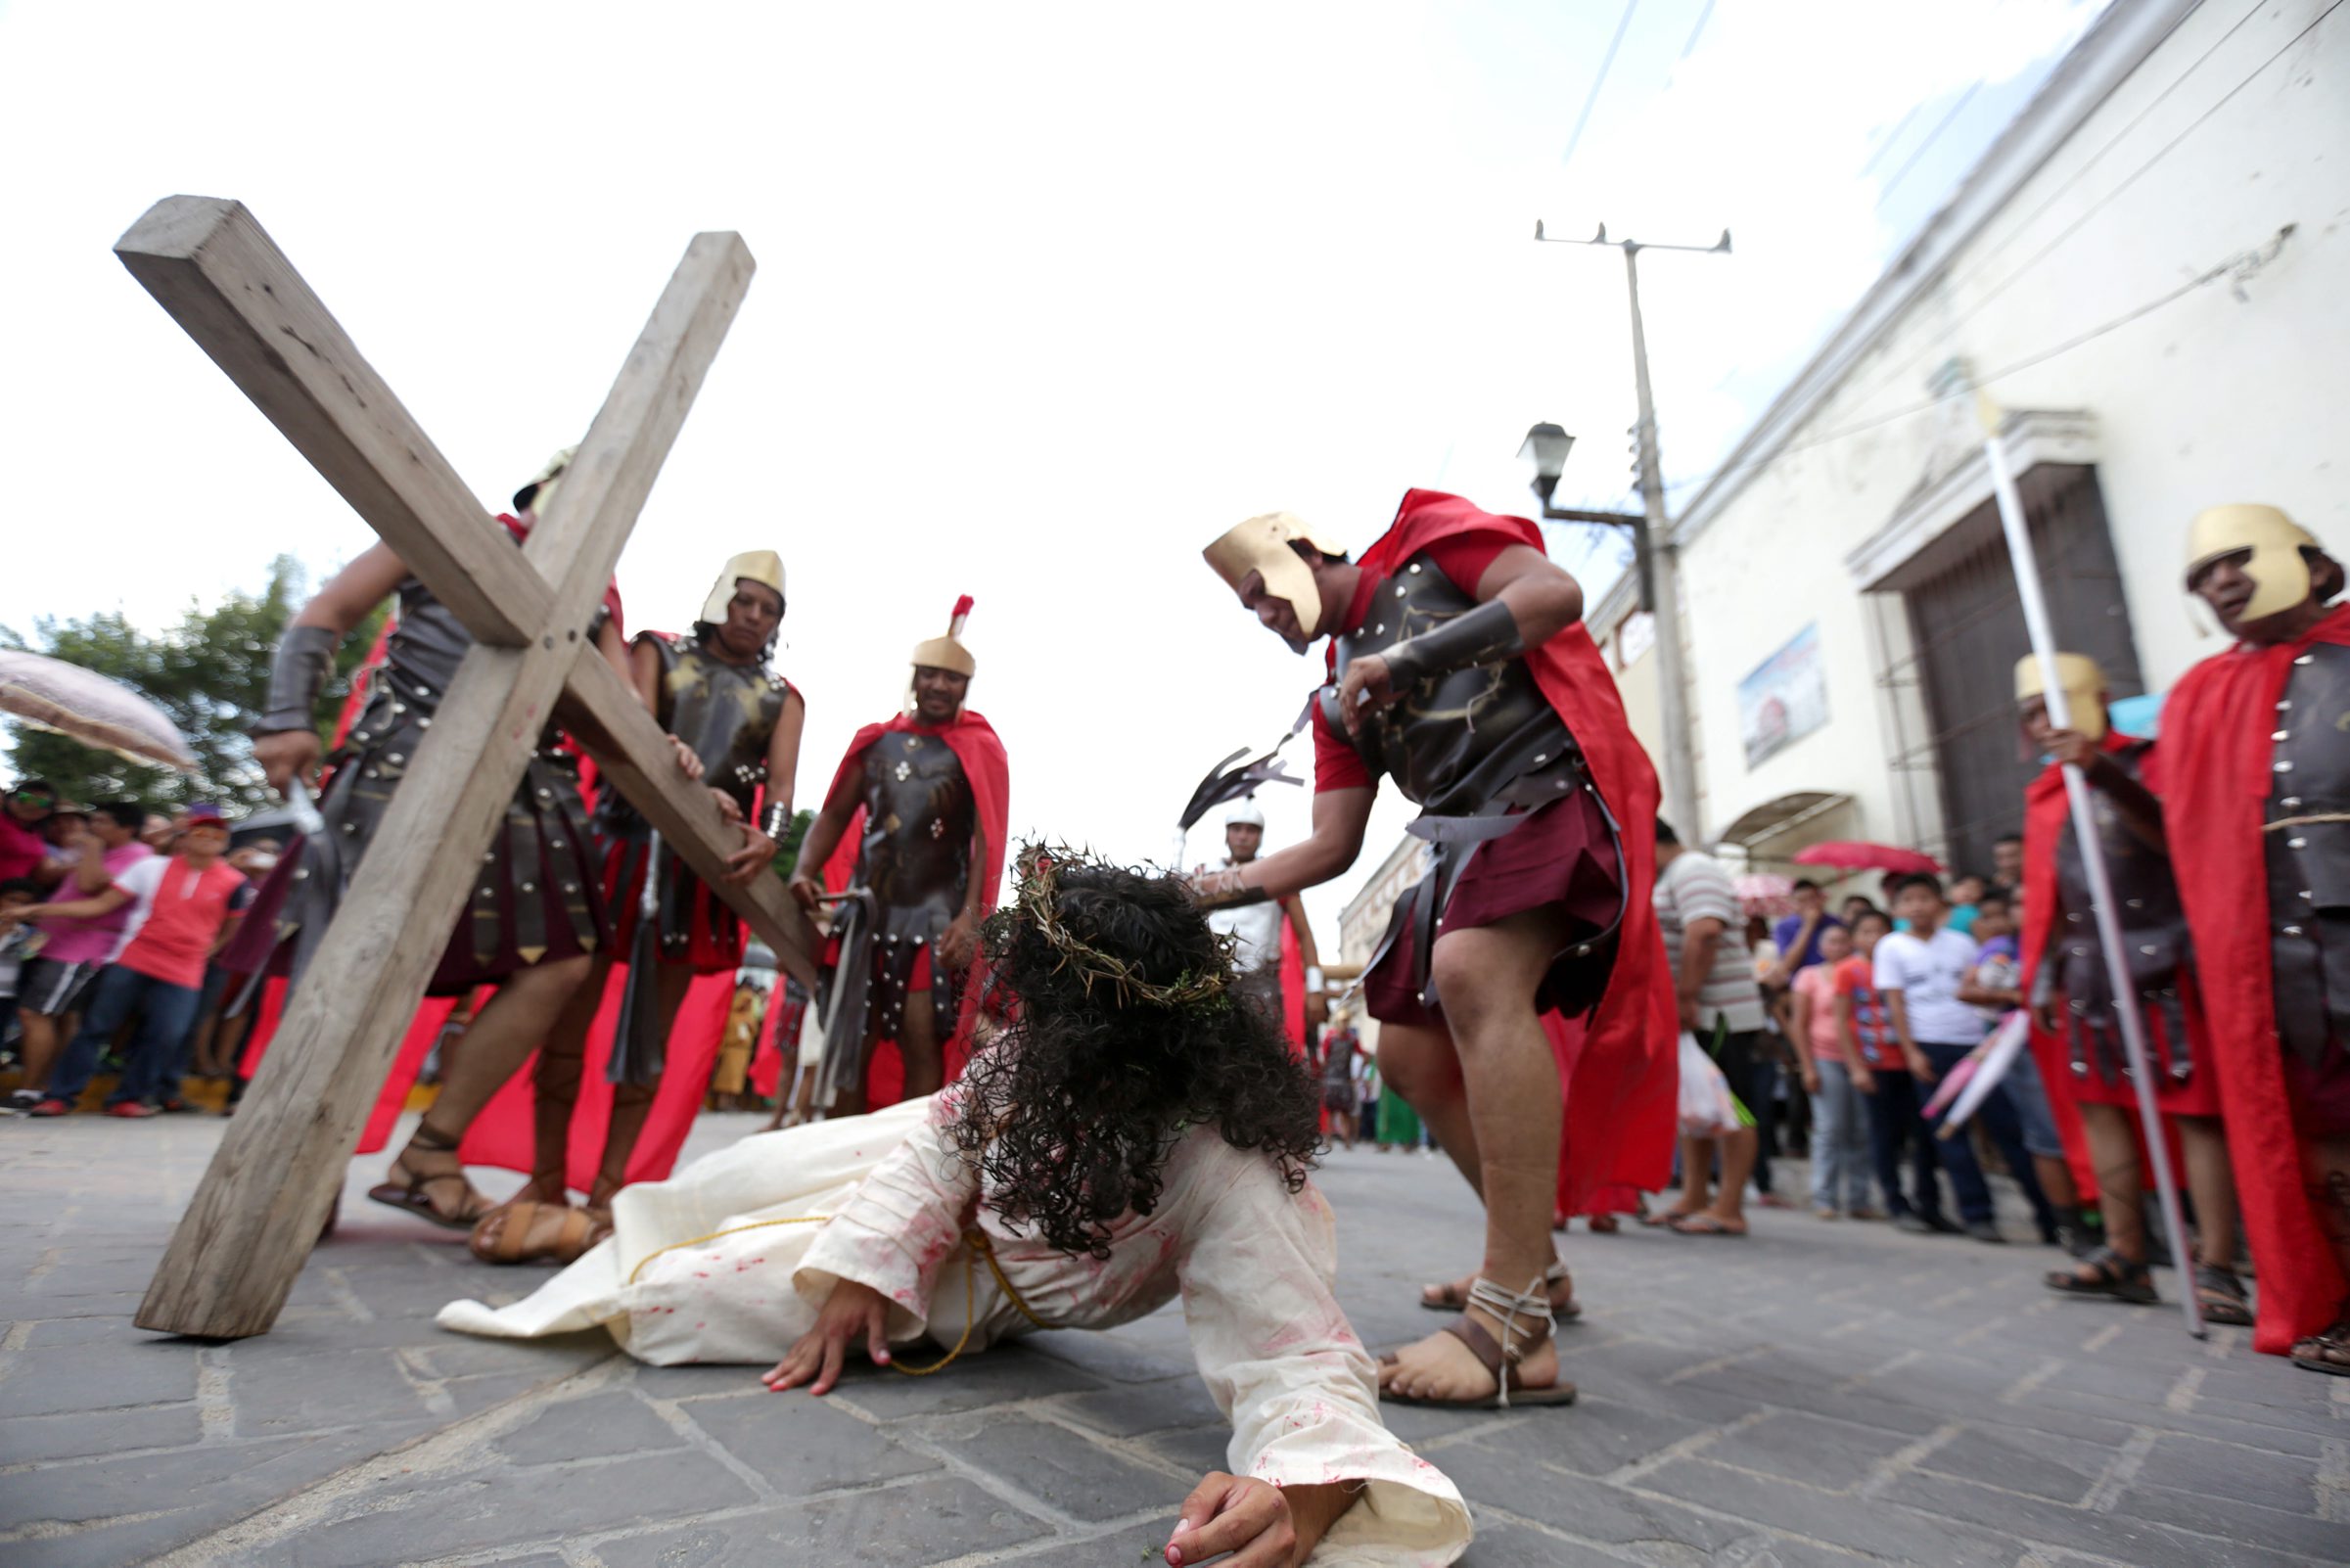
x=209, y=672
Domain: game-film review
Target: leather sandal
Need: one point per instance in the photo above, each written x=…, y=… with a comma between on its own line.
x=1447, y=1296
x=1525, y=1322
x=2221, y=1296
x=2108, y=1274
x=412, y=1192
x=2328, y=1352
x=527, y=1230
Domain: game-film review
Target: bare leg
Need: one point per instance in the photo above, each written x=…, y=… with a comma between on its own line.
x=631, y=1104
x=1696, y=1178
x=501, y=1037
x=2325, y=1170
x=1488, y=977
x=561, y=1063
x=2057, y=1181
x=1738, y=1152
x=2121, y=1195
x=918, y=1047
x=2212, y=1181
x=1422, y=1065
x=40, y=1047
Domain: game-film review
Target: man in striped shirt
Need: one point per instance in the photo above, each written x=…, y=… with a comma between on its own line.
x=1697, y=911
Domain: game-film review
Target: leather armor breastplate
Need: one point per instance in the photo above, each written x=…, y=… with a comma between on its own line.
x=2308, y=862
x=1455, y=744
x=919, y=818
x=726, y=712
x=426, y=647
x=2155, y=938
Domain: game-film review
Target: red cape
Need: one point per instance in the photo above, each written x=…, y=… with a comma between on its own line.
x=1619, y=1068
x=976, y=746
x=2214, y=779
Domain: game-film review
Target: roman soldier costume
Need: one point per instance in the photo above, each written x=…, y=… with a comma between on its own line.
x=924, y=794
x=536, y=895
x=1525, y=770
x=727, y=713
x=2062, y=956
x=2254, y=771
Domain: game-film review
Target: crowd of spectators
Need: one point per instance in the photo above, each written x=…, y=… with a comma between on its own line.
x=112, y=916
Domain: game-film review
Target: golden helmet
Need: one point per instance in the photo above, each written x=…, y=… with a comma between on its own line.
x=1261, y=545
x=763, y=567
x=947, y=652
x=2082, y=682
x=2278, y=571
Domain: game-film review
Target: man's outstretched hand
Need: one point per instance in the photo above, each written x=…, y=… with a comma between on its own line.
x=853, y=1313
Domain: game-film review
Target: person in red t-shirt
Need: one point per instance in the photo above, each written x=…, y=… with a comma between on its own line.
x=192, y=902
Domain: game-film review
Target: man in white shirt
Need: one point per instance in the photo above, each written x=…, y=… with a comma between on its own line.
x=1705, y=942
x=1918, y=972
x=1256, y=928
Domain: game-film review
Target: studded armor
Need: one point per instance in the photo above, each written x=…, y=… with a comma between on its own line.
x=1478, y=748
x=2308, y=860
x=2153, y=935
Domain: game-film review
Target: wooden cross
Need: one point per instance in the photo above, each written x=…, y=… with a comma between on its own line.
x=261, y=1203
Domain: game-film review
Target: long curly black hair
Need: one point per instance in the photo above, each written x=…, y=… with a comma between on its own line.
x=1122, y=1035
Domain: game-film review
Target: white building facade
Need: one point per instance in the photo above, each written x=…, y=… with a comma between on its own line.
x=2149, y=276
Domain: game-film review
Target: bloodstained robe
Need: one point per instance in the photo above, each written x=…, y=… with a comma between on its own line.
x=1618, y=1068
x=2211, y=769
x=987, y=770
x=732, y=1259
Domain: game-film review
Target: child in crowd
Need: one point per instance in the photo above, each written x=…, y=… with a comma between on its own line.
x=17, y=939
x=1994, y=988
x=1889, y=1091
x=1832, y=1078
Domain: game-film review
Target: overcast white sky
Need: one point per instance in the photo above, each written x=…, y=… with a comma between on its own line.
x=1048, y=295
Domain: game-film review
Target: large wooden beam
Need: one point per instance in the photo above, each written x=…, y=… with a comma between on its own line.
x=243, y=1239
x=210, y=264
x=603, y=714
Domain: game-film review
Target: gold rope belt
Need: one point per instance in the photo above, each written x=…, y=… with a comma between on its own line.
x=975, y=1240
x=2305, y=821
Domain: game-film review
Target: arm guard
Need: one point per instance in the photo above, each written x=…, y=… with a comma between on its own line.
x=774, y=818
x=1485, y=635
x=297, y=675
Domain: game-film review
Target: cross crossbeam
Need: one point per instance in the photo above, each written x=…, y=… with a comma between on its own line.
x=250, y=1226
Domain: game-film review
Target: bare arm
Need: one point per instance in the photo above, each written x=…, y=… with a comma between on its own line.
x=644, y=674
x=1973, y=992
x=1700, y=940
x=90, y=874
x=783, y=750
x=371, y=577
x=822, y=838
x=1897, y=1009
x=1543, y=599
x=1848, y=1043
x=1339, y=820
x=1783, y=972
x=104, y=903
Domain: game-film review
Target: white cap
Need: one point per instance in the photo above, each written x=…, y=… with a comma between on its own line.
x=1245, y=814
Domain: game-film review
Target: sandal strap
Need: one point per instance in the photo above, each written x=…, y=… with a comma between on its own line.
x=429, y=1137
x=2221, y=1279
x=1532, y=1304
x=2118, y=1270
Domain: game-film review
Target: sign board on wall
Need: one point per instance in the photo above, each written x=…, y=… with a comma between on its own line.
x=1784, y=697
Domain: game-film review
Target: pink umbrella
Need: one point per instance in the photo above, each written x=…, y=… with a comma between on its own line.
x=1854, y=855
x=1765, y=894
x=51, y=694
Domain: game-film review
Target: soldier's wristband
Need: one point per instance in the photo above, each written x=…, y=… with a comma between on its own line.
x=1485, y=635
x=773, y=819
x=297, y=675
x=1222, y=890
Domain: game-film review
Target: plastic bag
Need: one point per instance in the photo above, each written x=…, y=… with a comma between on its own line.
x=1708, y=1109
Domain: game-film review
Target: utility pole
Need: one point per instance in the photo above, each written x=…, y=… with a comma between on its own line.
x=1653, y=546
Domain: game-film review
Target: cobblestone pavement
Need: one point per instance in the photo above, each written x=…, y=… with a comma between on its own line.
x=1818, y=1393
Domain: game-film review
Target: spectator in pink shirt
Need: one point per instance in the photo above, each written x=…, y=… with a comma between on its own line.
x=1840, y=1159
x=56, y=981
x=25, y=850
x=193, y=902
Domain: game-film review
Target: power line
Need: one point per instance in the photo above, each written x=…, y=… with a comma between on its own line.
x=1877, y=152
x=1698, y=31
x=2242, y=264
x=1933, y=136
x=1983, y=263
x=1606, y=64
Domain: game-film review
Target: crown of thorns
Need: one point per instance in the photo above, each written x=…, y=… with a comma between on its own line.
x=1035, y=898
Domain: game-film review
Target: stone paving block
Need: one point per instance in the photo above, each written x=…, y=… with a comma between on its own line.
x=102, y=1374
x=287, y=1394
x=1141, y=1547
x=1504, y=1471
x=2298, y=1531
x=1866, y=1526
x=471, y=1395
x=1082, y=1477
x=241, y=1476
x=703, y=1382
x=1127, y=1409
x=41, y=1335
x=1193, y=1449
x=1112, y=1356
x=441, y=1515
x=1832, y=1456
x=800, y=1446
x=451, y=1355
x=1005, y=1373
x=111, y=1546
x=594, y=1427
x=1815, y=1391
x=925, y=1522
x=2120, y=1536
x=2055, y=1467
x=2213, y=1469
x=72, y=1434
x=1501, y=1545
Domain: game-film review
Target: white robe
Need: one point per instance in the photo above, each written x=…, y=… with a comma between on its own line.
x=729, y=1261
